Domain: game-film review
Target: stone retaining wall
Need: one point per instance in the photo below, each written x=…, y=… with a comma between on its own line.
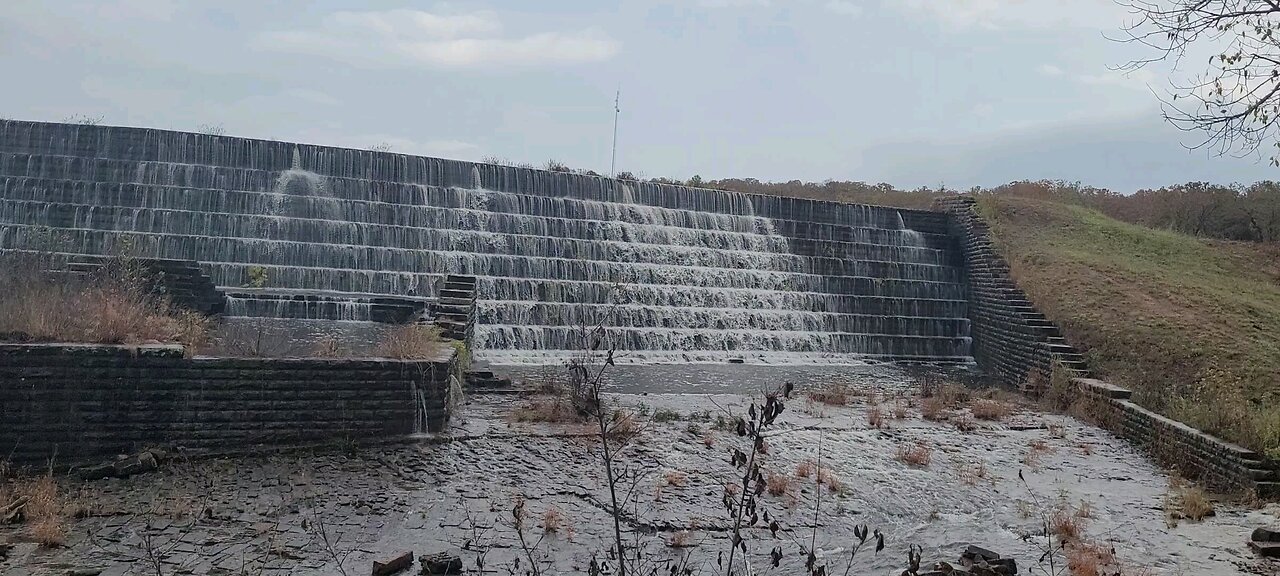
x=1021, y=347
x=1204, y=457
x=80, y=402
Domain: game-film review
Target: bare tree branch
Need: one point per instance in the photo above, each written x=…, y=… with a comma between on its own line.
x=1235, y=101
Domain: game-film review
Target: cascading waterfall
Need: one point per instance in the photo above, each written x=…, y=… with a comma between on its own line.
x=673, y=273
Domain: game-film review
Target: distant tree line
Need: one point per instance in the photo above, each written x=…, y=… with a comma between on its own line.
x=1230, y=212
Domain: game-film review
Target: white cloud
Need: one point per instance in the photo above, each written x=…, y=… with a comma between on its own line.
x=1015, y=14
x=1137, y=79
x=158, y=10
x=732, y=3
x=844, y=7
x=1049, y=70
x=313, y=96
x=414, y=37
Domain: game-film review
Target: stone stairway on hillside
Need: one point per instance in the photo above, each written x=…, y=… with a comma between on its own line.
x=1022, y=347
x=455, y=310
x=1009, y=335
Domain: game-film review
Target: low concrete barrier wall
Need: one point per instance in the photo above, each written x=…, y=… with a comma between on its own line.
x=1204, y=457
x=77, y=402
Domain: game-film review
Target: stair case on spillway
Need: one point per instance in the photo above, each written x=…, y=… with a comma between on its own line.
x=455, y=309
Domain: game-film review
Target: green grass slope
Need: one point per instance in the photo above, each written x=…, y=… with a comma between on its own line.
x=1191, y=325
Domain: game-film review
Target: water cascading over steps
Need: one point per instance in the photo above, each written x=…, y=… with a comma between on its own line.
x=673, y=273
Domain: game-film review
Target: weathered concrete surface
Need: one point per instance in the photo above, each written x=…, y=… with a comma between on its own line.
x=275, y=513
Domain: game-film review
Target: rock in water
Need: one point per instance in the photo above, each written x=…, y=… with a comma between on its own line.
x=441, y=563
x=1266, y=542
x=393, y=565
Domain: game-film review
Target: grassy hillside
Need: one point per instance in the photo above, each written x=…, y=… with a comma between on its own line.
x=1191, y=325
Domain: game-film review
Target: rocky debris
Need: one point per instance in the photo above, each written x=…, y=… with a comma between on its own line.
x=976, y=561
x=441, y=563
x=4, y=550
x=85, y=571
x=979, y=560
x=486, y=380
x=12, y=513
x=126, y=466
x=393, y=565
x=1265, y=542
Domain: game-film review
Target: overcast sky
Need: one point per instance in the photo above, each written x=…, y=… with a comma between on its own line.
x=911, y=92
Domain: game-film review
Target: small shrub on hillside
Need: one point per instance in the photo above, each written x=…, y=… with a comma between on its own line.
x=411, y=342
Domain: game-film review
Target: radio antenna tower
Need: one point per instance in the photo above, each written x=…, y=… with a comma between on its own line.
x=613, y=163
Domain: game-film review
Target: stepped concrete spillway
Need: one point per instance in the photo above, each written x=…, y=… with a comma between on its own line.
x=671, y=272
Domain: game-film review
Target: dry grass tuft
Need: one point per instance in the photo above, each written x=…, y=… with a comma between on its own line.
x=116, y=303
x=1091, y=559
x=828, y=478
x=990, y=410
x=822, y=475
x=43, y=508
x=681, y=539
x=411, y=342
x=708, y=438
x=551, y=409
x=1067, y=525
x=965, y=423
x=833, y=394
x=327, y=347
x=934, y=409
x=1186, y=501
x=917, y=454
x=778, y=484
x=1038, y=448
x=971, y=473
x=875, y=417
x=622, y=427
x=552, y=520
x=899, y=409
x=675, y=478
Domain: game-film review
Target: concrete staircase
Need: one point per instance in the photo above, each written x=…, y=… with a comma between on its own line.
x=455, y=309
